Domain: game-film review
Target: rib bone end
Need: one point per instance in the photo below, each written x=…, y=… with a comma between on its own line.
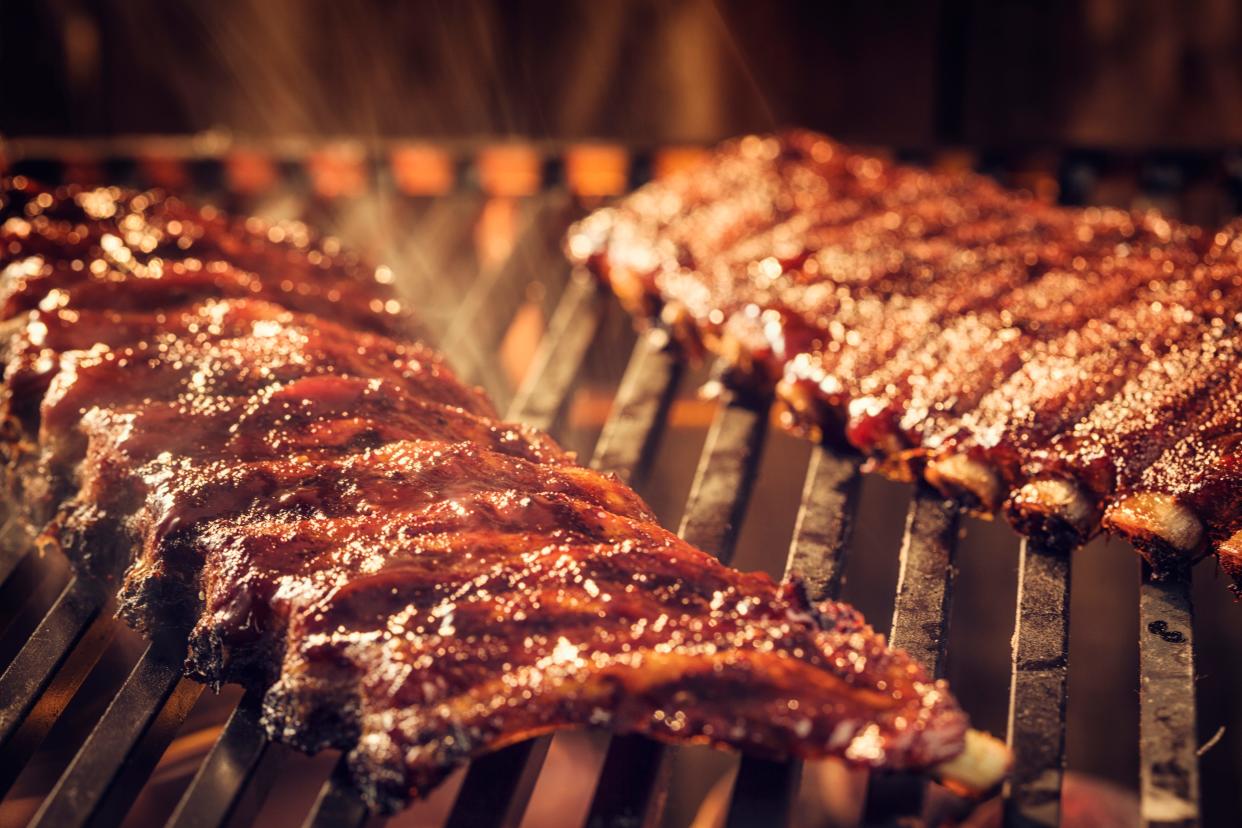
x=979, y=768
x=960, y=476
x=1165, y=531
x=1054, y=510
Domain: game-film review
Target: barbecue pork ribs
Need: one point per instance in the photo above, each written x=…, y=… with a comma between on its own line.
x=328, y=513
x=1076, y=368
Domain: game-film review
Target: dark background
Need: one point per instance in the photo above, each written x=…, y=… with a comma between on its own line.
x=1099, y=73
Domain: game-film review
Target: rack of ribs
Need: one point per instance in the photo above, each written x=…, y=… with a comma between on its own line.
x=1076, y=369
x=329, y=514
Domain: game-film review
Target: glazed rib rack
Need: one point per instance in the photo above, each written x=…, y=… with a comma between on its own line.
x=539, y=190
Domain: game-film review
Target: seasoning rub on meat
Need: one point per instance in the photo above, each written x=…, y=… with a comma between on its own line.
x=226, y=418
x=1075, y=368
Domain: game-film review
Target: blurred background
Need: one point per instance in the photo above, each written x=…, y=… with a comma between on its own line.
x=339, y=113
x=1102, y=72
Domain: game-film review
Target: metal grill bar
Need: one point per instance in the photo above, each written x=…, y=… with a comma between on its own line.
x=634, y=780
x=338, y=804
x=231, y=769
x=561, y=352
x=633, y=784
x=1169, y=764
x=824, y=524
x=925, y=579
x=47, y=672
x=498, y=786
x=121, y=751
x=641, y=405
x=765, y=791
x=726, y=473
x=1037, y=690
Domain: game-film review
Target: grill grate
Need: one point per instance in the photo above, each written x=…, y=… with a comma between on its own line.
x=123, y=748
x=1037, y=688
x=119, y=754
x=235, y=764
x=1169, y=770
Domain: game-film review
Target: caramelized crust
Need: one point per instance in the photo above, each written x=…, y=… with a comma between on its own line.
x=333, y=516
x=1065, y=364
